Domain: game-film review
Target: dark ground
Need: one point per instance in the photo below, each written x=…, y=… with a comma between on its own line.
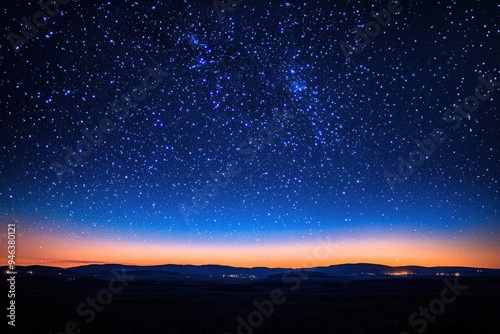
x=378, y=306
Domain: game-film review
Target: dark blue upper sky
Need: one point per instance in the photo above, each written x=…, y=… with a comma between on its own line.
x=329, y=129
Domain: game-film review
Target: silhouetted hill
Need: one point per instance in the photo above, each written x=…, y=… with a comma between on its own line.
x=172, y=272
x=347, y=298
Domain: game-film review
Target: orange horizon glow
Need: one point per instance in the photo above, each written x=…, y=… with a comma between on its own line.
x=51, y=251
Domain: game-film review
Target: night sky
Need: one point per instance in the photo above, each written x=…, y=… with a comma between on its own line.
x=256, y=137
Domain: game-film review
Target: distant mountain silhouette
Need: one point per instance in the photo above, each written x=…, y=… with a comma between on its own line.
x=173, y=272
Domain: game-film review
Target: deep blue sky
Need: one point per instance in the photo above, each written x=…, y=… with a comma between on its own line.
x=341, y=124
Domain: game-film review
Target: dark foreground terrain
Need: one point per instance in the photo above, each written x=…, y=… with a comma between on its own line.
x=319, y=304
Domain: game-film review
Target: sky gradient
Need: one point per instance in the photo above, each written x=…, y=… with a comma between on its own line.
x=283, y=249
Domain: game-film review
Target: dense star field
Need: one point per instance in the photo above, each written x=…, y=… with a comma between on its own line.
x=149, y=132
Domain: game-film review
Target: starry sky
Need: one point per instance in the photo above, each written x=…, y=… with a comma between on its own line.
x=256, y=137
